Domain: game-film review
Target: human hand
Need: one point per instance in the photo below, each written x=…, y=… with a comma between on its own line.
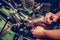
x=50, y=17
x=38, y=32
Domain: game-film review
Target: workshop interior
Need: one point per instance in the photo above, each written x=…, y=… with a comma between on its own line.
x=16, y=18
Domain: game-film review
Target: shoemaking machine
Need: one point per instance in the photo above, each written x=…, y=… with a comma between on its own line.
x=18, y=17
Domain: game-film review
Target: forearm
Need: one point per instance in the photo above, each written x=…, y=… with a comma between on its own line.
x=52, y=34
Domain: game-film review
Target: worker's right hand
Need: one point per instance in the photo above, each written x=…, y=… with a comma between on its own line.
x=38, y=32
x=50, y=17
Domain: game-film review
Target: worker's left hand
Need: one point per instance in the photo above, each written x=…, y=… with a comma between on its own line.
x=50, y=17
x=38, y=32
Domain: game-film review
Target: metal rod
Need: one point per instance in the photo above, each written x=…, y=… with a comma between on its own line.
x=4, y=26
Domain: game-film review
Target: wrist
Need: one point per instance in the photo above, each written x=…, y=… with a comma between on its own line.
x=58, y=14
x=45, y=31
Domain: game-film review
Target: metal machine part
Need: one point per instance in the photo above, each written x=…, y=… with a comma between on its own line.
x=21, y=20
x=28, y=3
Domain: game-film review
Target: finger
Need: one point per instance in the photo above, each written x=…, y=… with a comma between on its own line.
x=48, y=20
x=32, y=29
x=55, y=18
x=48, y=15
